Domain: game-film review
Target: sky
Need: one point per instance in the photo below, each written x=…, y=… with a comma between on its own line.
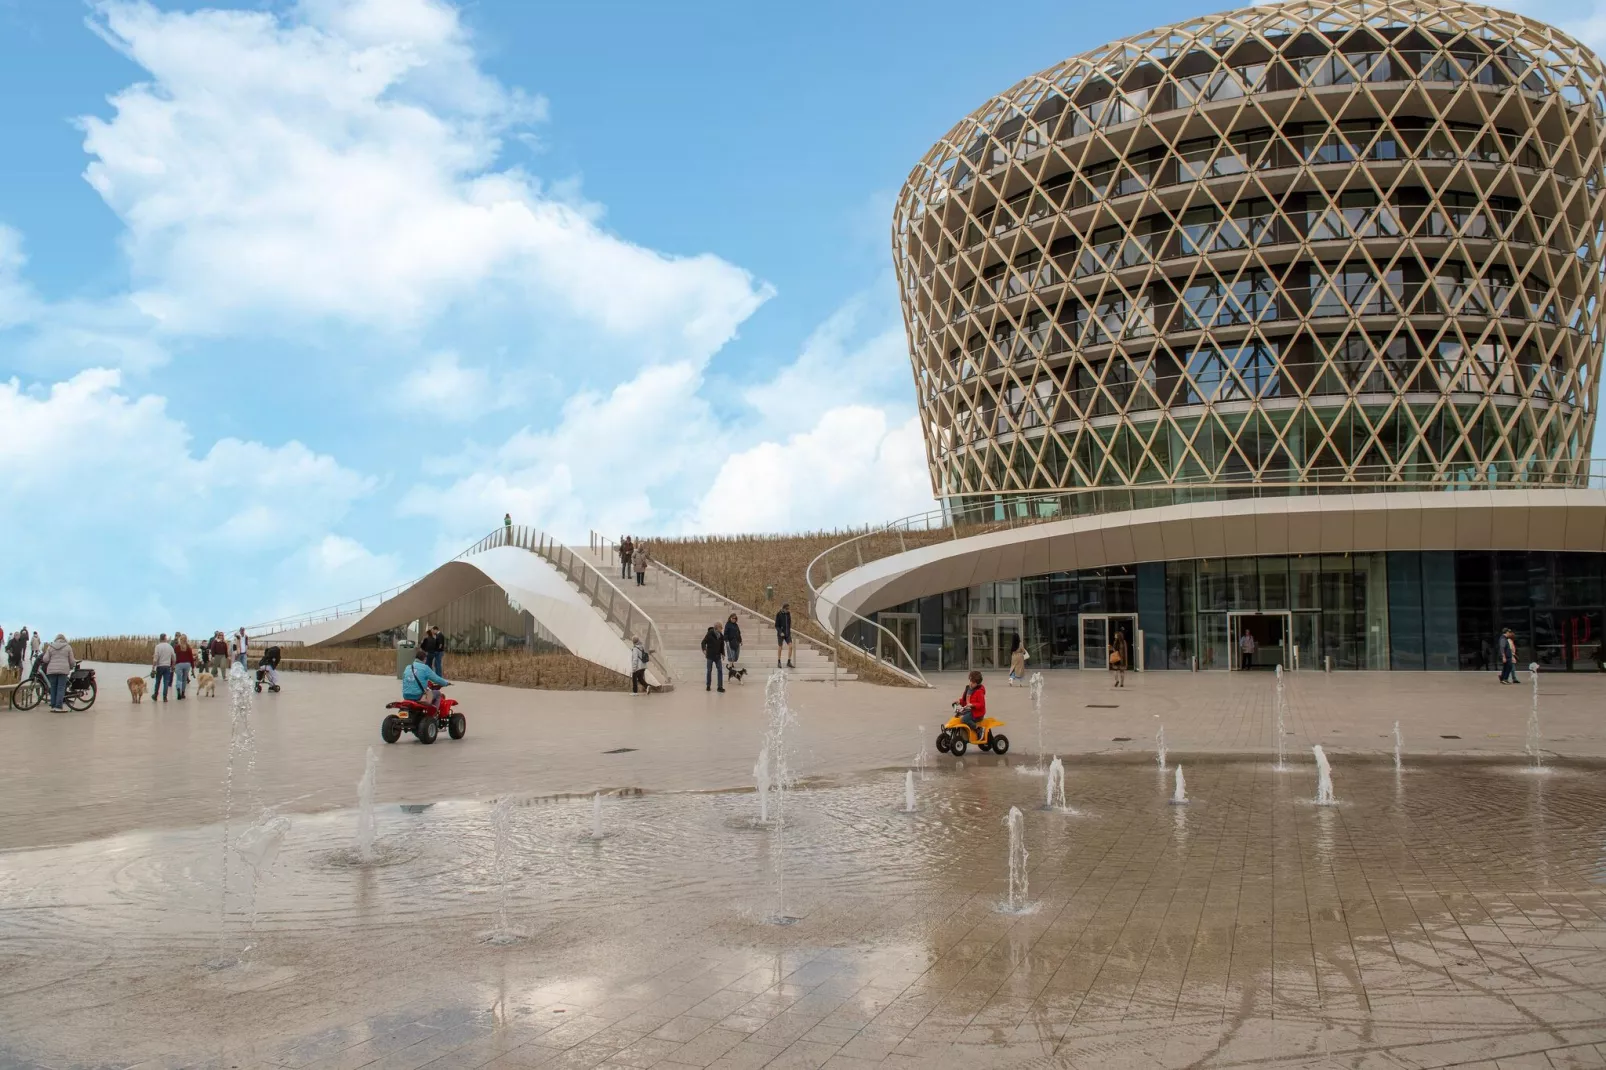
x=298, y=298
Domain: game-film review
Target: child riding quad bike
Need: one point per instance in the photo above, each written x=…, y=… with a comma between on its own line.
x=970, y=723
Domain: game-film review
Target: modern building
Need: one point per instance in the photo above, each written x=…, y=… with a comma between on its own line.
x=1282, y=322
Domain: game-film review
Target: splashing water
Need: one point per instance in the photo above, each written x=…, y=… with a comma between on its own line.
x=501, y=863
x=1037, y=709
x=1282, y=742
x=1324, y=778
x=1179, y=796
x=1399, y=745
x=761, y=778
x=1016, y=822
x=1159, y=747
x=365, y=807
x=596, y=816
x=1536, y=740
x=909, y=792
x=242, y=750
x=1055, y=785
x=256, y=848
x=777, y=745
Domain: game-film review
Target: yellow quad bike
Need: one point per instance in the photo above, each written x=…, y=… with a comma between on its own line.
x=956, y=735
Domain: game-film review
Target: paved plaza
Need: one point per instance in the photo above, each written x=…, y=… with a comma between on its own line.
x=1450, y=913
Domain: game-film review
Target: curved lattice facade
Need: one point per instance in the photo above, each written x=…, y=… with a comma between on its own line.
x=1289, y=245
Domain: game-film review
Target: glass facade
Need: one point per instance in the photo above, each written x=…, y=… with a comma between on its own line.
x=1413, y=610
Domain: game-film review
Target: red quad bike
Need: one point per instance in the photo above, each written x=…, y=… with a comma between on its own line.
x=423, y=720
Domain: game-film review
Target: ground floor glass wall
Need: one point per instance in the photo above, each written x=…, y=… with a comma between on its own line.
x=1433, y=610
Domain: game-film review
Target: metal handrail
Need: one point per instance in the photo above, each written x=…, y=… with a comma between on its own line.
x=983, y=511
x=600, y=542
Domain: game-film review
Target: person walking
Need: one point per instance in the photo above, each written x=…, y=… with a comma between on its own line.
x=218, y=648
x=1508, y=657
x=1017, y=662
x=58, y=665
x=733, y=641
x=30, y=650
x=783, y=635
x=1246, y=651
x=183, y=663
x=161, y=668
x=1120, y=654
x=241, y=649
x=714, y=654
x=639, y=656
x=638, y=561
x=627, y=547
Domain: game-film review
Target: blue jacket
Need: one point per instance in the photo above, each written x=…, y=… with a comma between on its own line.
x=416, y=676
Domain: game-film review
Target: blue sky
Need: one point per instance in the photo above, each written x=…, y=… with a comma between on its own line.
x=297, y=298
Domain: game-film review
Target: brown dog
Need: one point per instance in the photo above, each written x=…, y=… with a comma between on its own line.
x=206, y=684
x=136, y=688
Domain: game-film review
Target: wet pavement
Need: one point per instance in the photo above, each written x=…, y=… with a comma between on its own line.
x=1449, y=914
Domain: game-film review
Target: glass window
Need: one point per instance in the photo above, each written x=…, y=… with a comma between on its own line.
x=1214, y=650
x=1440, y=647
x=1179, y=609
x=1242, y=584
x=1304, y=582
x=1405, y=610
x=1212, y=586
x=1274, y=583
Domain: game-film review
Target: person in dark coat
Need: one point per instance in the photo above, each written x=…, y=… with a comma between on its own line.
x=783, y=635
x=714, y=651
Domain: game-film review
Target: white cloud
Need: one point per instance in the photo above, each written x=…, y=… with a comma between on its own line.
x=853, y=355
x=442, y=387
x=119, y=501
x=340, y=161
x=852, y=467
x=17, y=301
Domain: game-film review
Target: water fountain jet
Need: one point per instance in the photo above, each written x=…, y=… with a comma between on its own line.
x=1179, y=797
x=1281, y=730
x=1324, y=778
x=1055, y=785
x=1159, y=747
x=502, y=850
x=1399, y=745
x=365, y=807
x=761, y=777
x=596, y=816
x=1536, y=740
x=776, y=745
x=1037, y=709
x=1016, y=822
x=909, y=792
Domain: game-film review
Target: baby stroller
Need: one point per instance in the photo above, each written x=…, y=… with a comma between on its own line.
x=268, y=670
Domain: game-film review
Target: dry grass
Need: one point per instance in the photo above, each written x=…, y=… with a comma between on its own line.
x=549, y=672
x=740, y=567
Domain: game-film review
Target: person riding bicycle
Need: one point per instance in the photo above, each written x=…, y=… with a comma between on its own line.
x=416, y=679
x=972, y=705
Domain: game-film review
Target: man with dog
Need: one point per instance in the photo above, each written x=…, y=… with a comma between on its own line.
x=162, y=668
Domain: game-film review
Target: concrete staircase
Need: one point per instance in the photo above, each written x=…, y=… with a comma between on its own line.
x=683, y=612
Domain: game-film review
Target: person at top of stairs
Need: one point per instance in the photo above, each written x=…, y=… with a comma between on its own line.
x=783, y=635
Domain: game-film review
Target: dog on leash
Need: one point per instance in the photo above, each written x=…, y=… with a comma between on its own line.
x=206, y=684
x=136, y=688
x=735, y=672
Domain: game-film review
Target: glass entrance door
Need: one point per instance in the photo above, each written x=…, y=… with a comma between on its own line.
x=906, y=627
x=1260, y=640
x=1568, y=640
x=992, y=639
x=1099, y=631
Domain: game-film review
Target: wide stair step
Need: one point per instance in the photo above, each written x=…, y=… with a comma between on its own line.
x=684, y=613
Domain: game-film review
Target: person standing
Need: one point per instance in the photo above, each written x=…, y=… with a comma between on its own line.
x=714, y=655
x=183, y=663
x=626, y=548
x=1120, y=653
x=219, y=649
x=733, y=641
x=638, y=561
x=29, y=651
x=1017, y=661
x=639, y=656
x=507, y=529
x=1246, y=651
x=241, y=649
x=783, y=635
x=161, y=668
x=58, y=665
x=1508, y=657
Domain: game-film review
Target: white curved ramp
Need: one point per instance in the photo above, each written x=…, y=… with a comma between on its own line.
x=1334, y=523
x=527, y=578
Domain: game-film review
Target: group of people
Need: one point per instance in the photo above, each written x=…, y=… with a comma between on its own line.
x=175, y=661
x=633, y=555
x=22, y=650
x=722, y=648
x=433, y=647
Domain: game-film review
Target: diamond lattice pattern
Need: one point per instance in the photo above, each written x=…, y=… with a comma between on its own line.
x=1291, y=244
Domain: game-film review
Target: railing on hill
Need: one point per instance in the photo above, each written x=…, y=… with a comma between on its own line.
x=978, y=514
x=614, y=605
x=833, y=650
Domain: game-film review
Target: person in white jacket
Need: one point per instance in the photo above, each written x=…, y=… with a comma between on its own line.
x=639, y=656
